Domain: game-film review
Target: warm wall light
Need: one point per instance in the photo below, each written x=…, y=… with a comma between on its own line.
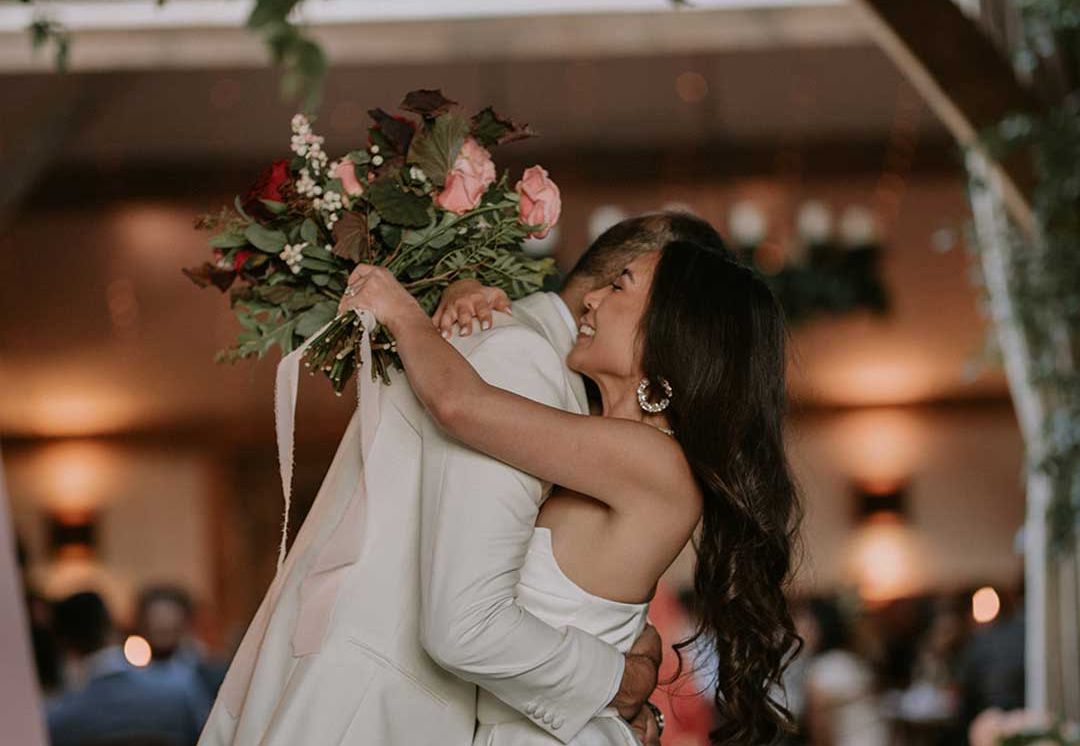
x=72, y=479
x=884, y=559
x=884, y=556
x=985, y=605
x=870, y=376
x=878, y=447
x=66, y=402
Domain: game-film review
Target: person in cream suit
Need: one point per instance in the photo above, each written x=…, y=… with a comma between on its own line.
x=397, y=597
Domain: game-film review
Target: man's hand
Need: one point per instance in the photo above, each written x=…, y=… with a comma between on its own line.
x=639, y=678
x=646, y=728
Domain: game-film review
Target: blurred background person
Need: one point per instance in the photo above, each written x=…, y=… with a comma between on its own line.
x=841, y=690
x=164, y=618
x=43, y=645
x=991, y=670
x=105, y=698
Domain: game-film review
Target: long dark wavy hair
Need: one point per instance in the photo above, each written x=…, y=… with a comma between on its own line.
x=716, y=332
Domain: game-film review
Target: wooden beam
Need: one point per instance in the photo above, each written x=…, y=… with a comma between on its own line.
x=963, y=77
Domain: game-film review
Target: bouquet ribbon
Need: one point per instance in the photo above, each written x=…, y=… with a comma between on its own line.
x=285, y=392
x=320, y=586
x=347, y=477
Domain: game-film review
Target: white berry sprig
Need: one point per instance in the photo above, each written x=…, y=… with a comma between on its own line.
x=292, y=255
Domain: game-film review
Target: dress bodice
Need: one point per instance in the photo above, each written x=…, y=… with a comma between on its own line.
x=546, y=591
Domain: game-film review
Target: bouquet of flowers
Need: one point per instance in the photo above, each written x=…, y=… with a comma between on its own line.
x=422, y=199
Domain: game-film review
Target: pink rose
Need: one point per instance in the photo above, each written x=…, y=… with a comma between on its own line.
x=346, y=171
x=540, y=200
x=472, y=173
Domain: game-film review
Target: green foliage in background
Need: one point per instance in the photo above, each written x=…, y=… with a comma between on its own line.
x=1045, y=272
x=302, y=61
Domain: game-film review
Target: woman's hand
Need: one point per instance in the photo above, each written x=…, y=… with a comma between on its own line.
x=375, y=289
x=465, y=300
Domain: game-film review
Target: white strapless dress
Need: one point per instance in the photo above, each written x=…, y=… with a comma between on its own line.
x=544, y=590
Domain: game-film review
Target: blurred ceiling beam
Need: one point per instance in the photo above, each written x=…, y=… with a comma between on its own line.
x=75, y=184
x=720, y=26
x=963, y=77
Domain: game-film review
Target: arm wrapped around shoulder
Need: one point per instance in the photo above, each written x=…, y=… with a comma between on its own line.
x=477, y=522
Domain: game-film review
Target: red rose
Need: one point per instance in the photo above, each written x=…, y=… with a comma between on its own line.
x=240, y=258
x=268, y=186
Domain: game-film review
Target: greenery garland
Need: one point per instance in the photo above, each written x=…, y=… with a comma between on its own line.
x=1045, y=272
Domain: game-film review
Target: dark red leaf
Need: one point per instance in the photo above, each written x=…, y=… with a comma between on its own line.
x=488, y=129
x=207, y=275
x=396, y=131
x=351, y=239
x=427, y=102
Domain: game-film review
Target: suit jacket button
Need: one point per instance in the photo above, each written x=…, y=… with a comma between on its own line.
x=530, y=709
x=557, y=724
x=548, y=717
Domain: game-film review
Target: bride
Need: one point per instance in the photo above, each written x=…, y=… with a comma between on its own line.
x=686, y=348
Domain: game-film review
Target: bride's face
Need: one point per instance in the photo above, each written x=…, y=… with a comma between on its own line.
x=607, y=342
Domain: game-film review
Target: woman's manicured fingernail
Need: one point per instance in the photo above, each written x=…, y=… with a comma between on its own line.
x=485, y=325
x=445, y=334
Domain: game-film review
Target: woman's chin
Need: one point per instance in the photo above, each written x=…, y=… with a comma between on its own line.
x=575, y=360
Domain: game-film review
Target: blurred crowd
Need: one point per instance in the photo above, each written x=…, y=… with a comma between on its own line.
x=914, y=672
x=910, y=672
x=148, y=685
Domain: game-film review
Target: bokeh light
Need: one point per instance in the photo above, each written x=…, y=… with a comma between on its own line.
x=985, y=605
x=137, y=651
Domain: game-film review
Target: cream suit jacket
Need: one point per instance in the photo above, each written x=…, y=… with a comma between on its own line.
x=338, y=652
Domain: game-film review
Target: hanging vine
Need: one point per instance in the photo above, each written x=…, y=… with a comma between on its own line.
x=301, y=59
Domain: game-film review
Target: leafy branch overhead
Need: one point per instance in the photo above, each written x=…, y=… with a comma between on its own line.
x=302, y=60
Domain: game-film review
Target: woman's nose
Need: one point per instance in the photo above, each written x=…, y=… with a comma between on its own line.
x=593, y=297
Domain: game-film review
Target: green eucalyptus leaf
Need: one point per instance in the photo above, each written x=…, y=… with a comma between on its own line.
x=265, y=239
x=309, y=232
x=397, y=205
x=315, y=318
x=228, y=239
x=275, y=207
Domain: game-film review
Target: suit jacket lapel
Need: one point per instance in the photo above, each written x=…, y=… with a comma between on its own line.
x=540, y=312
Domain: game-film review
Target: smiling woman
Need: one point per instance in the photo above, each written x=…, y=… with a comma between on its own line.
x=628, y=496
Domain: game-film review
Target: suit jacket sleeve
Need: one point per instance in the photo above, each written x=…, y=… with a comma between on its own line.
x=477, y=521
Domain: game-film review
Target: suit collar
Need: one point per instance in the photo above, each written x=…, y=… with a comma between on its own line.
x=545, y=313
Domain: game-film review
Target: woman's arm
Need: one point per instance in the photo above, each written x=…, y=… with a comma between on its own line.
x=619, y=462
